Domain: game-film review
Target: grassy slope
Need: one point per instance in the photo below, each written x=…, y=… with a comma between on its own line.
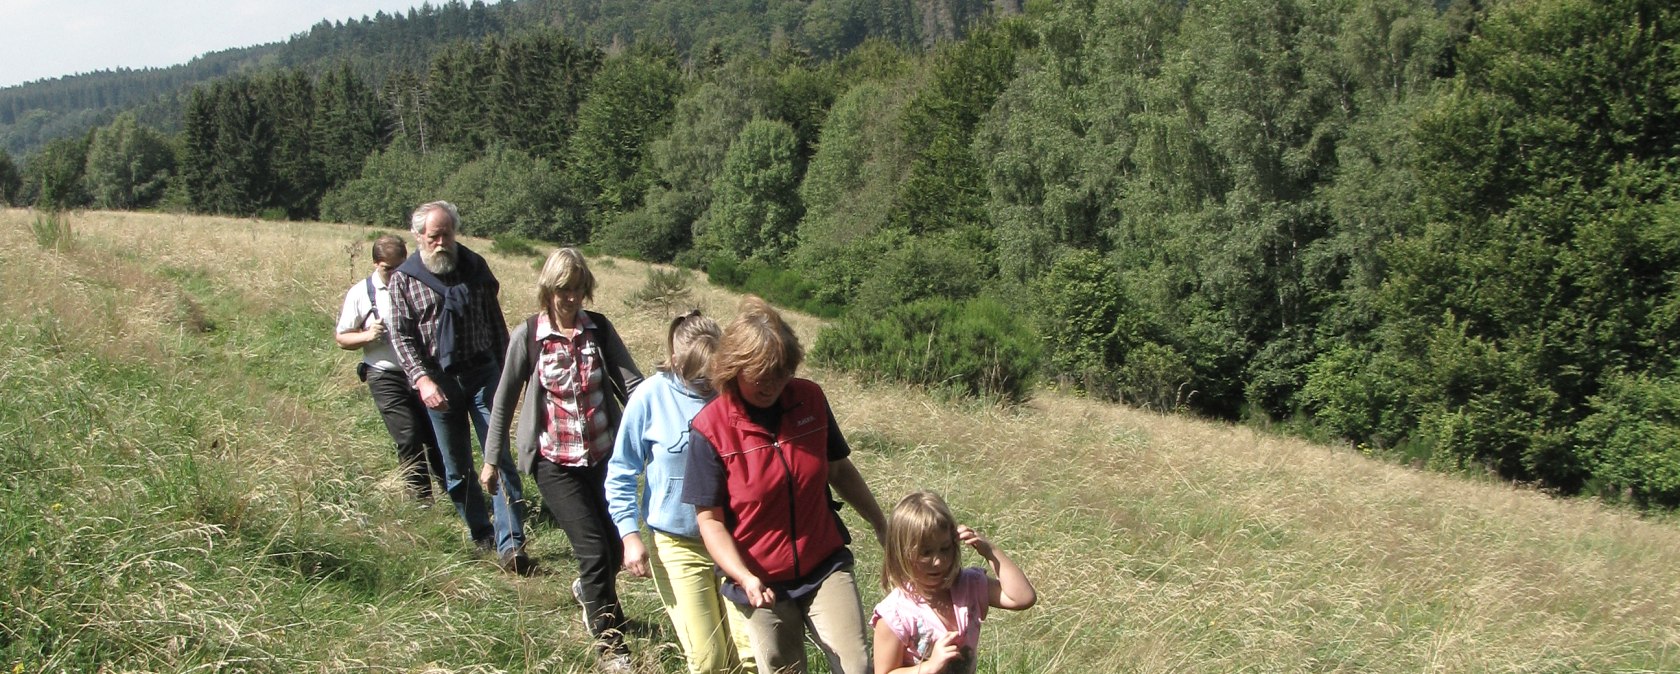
x=190, y=477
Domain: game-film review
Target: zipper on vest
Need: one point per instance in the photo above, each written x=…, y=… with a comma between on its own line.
x=793, y=505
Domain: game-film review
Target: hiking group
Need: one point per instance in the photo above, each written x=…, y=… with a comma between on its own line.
x=724, y=457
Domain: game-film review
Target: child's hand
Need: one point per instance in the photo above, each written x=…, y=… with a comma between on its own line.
x=973, y=539
x=945, y=651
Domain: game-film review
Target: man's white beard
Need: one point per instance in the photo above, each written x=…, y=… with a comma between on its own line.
x=440, y=260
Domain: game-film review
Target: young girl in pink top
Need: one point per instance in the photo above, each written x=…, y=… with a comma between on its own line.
x=930, y=621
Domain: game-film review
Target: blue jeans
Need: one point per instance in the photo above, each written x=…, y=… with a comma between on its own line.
x=471, y=394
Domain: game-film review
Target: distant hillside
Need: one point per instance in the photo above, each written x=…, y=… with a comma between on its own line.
x=34, y=113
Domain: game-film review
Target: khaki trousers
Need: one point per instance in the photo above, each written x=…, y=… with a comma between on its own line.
x=833, y=615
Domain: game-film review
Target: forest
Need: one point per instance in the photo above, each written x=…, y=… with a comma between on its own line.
x=1443, y=233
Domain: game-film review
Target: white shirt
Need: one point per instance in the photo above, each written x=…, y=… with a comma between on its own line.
x=354, y=316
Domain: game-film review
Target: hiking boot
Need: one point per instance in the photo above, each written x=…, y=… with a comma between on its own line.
x=515, y=561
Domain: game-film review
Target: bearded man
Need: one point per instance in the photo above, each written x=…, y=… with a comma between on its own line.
x=449, y=334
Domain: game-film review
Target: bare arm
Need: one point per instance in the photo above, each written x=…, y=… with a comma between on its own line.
x=358, y=325
x=888, y=649
x=720, y=544
x=1010, y=588
x=351, y=340
x=848, y=482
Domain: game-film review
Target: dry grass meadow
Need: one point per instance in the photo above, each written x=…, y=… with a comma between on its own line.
x=196, y=481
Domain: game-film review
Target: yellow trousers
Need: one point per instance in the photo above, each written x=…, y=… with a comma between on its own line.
x=711, y=639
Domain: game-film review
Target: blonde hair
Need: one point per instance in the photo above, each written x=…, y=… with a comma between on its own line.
x=758, y=343
x=565, y=268
x=691, y=341
x=920, y=522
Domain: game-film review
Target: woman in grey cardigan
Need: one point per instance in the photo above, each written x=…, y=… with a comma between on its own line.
x=574, y=373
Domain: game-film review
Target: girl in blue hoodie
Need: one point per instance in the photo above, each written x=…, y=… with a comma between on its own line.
x=652, y=444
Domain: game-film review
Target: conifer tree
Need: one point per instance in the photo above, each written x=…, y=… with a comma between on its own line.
x=10, y=180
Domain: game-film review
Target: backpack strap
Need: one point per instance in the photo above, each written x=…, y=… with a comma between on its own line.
x=534, y=349
x=615, y=380
x=372, y=300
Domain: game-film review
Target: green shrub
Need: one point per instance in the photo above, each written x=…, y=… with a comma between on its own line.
x=664, y=290
x=657, y=232
x=976, y=347
x=52, y=230
x=1093, y=330
x=1157, y=377
x=920, y=268
x=1359, y=396
x=783, y=287
x=391, y=184
x=509, y=191
x=1631, y=440
x=515, y=245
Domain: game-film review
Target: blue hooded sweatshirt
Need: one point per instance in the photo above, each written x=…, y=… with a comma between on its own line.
x=653, y=438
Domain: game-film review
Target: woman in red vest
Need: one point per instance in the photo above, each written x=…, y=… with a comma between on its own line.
x=762, y=456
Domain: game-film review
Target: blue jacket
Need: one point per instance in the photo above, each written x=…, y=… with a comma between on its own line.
x=653, y=439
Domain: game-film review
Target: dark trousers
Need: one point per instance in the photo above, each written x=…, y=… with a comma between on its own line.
x=406, y=420
x=577, y=499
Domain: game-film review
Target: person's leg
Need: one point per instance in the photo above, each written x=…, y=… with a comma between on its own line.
x=745, y=659
x=508, y=502
x=689, y=590
x=570, y=494
x=777, y=634
x=433, y=469
x=409, y=427
x=454, y=436
x=835, y=615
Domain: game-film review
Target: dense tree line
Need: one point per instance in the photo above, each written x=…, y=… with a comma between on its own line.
x=390, y=44
x=1444, y=232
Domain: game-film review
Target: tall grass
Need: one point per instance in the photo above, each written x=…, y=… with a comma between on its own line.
x=52, y=230
x=209, y=489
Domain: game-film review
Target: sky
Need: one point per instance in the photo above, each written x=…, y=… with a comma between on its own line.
x=52, y=38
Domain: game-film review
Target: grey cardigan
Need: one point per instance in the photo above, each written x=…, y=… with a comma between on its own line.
x=517, y=368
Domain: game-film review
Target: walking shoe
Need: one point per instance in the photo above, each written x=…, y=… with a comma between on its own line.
x=485, y=546
x=514, y=560
x=577, y=593
x=613, y=662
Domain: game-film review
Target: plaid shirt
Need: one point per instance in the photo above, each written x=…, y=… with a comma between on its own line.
x=415, y=309
x=570, y=371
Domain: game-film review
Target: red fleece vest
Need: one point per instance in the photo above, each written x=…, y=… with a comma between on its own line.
x=777, y=483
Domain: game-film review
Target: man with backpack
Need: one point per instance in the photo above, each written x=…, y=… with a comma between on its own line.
x=450, y=336
x=362, y=325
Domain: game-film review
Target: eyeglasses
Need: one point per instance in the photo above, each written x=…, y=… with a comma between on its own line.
x=770, y=379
